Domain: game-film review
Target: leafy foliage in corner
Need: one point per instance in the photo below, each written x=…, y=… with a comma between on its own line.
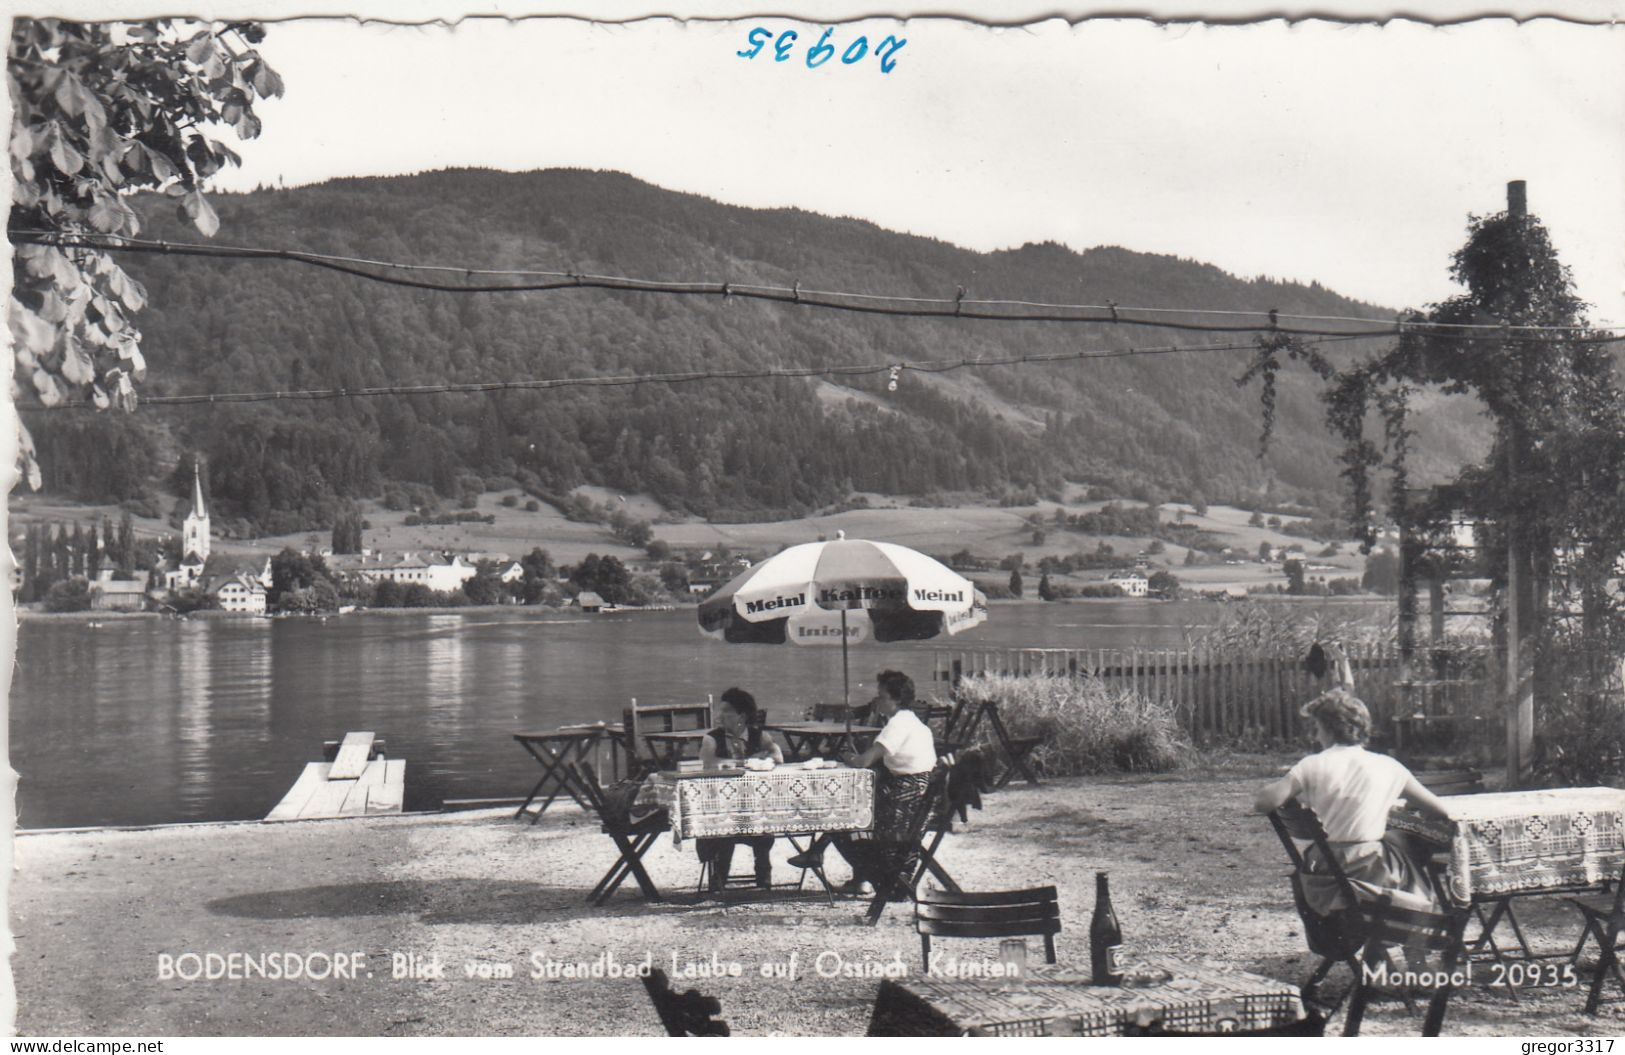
x=102, y=110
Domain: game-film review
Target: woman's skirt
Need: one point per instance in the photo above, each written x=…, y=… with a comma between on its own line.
x=897, y=797
x=1379, y=868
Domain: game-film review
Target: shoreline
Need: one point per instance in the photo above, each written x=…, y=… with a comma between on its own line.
x=25, y=614
x=29, y=615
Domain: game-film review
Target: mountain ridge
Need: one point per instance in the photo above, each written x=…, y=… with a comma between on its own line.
x=1142, y=426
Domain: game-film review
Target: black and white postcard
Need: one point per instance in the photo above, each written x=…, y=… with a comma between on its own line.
x=966, y=523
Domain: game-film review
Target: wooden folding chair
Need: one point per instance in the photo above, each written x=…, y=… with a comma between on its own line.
x=953, y=718
x=967, y=779
x=1324, y=939
x=632, y=838
x=931, y=804
x=993, y=914
x=638, y=720
x=1602, y=922
x=686, y=1014
x=1370, y=920
x=937, y=715
x=856, y=713
x=965, y=724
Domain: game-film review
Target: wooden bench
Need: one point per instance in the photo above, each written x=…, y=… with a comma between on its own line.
x=1451, y=781
x=993, y=914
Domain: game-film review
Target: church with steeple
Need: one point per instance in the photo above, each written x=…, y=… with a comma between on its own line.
x=194, y=538
x=195, y=532
x=235, y=584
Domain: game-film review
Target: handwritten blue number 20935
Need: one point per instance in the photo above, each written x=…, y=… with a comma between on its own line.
x=823, y=51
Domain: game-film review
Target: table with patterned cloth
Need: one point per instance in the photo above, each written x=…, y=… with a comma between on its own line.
x=1059, y=1001
x=785, y=800
x=1526, y=842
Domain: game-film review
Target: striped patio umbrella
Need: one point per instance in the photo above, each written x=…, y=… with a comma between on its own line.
x=844, y=591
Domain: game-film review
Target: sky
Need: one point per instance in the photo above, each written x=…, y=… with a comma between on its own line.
x=1347, y=154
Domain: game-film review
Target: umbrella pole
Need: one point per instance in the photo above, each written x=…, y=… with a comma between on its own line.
x=846, y=673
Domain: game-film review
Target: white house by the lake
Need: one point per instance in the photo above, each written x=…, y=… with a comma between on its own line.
x=1132, y=583
x=442, y=577
x=238, y=593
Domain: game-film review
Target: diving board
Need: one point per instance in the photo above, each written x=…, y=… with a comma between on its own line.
x=354, y=784
x=354, y=751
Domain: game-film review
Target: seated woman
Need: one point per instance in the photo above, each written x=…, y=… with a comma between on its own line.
x=739, y=737
x=1351, y=790
x=908, y=750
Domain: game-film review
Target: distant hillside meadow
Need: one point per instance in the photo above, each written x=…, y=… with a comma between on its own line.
x=1155, y=427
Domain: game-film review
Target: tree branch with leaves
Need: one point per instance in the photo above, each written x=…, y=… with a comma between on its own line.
x=102, y=111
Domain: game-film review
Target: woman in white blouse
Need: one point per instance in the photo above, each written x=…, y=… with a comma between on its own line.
x=1351, y=790
x=906, y=754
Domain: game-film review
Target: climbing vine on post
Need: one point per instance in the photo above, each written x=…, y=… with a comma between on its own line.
x=1553, y=485
x=1266, y=364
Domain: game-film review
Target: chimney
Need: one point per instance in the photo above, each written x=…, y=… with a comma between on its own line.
x=1518, y=198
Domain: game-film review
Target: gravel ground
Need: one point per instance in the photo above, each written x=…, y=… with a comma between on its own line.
x=1193, y=873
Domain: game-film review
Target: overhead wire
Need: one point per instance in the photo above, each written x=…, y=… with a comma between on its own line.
x=936, y=366
x=398, y=273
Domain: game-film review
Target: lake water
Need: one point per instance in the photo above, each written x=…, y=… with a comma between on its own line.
x=150, y=721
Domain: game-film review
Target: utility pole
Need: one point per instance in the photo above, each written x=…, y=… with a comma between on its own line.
x=1520, y=697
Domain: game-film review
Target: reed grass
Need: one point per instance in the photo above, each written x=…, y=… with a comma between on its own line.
x=1085, y=727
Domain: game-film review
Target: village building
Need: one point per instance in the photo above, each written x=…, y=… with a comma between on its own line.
x=1132, y=583
x=442, y=577
x=110, y=594
x=588, y=601
x=238, y=593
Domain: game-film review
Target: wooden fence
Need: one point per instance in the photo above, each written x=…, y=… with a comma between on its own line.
x=1215, y=694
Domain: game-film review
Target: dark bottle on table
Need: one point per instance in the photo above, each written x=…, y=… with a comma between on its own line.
x=1105, y=937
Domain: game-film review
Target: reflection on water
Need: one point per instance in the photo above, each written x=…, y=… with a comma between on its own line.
x=193, y=701
x=145, y=720
x=440, y=660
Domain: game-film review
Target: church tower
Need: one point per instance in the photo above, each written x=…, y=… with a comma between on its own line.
x=195, y=532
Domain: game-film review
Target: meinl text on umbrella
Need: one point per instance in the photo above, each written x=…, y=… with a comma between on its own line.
x=957, y=596
x=781, y=601
x=853, y=632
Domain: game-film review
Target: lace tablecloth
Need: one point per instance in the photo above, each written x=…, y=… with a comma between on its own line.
x=785, y=800
x=1519, y=842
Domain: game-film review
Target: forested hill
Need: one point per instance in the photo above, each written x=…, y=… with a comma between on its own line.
x=1169, y=425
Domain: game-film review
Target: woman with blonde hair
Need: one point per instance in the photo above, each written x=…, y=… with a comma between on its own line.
x=1351, y=790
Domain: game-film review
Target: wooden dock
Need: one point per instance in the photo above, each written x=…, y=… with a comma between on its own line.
x=359, y=782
